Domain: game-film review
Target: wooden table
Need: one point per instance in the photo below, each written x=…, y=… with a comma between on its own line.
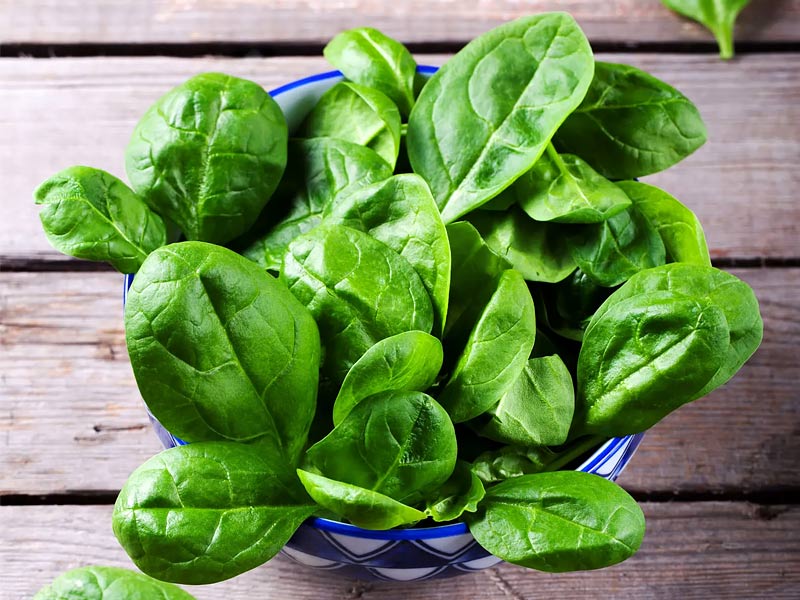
x=719, y=480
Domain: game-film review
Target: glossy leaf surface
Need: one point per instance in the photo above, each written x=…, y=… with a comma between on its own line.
x=205, y=512
x=459, y=494
x=487, y=115
x=208, y=155
x=90, y=214
x=220, y=349
x=109, y=583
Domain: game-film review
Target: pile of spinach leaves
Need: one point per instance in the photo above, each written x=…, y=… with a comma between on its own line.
x=418, y=309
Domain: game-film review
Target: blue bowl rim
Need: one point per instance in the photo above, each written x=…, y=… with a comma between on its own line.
x=437, y=531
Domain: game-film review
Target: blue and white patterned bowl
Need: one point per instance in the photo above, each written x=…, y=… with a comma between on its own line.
x=399, y=554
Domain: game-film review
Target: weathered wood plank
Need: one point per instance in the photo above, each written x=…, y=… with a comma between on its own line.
x=691, y=550
x=71, y=418
x=310, y=21
x=743, y=184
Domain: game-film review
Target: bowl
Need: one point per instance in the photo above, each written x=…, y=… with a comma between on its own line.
x=413, y=554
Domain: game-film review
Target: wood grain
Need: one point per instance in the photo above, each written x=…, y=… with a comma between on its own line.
x=315, y=21
x=742, y=184
x=71, y=418
x=691, y=550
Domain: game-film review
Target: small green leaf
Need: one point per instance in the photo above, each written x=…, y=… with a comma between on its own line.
x=109, y=583
x=719, y=16
x=459, y=494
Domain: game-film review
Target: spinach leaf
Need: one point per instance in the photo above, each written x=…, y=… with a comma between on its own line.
x=407, y=361
x=536, y=410
x=568, y=306
x=88, y=213
x=476, y=271
x=109, y=583
x=679, y=228
x=537, y=250
x=401, y=213
x=357, y=114
x=398, y=443
x=359, y=291
x=609, y=253
x=557, y=522
x=644, y=357
x=631, y=124
x=208, y=155
x=220, y=349
x=362, y=507
x=496, y=352
x=370, y=58
x=719, y=16
x=319, y=170
x=731, y=295
x=205, y=512
x=487, y=115
x=459, y=494
x=565, y=189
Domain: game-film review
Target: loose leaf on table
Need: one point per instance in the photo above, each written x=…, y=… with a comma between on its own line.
x=362, y=507
x=487, y=115
x=459, y=494
x=496, y=351
x=319, y=170
x=208, y=155
x=609, y=253
x=644, y=357
x=401, y=444
x=476, y=271
x=537, y=250
x=370, y=58
x=407, y=361
x=358, y=114
x=731, y=295
x=221, y=350
x=565, y=189
x=401, y=213
x=536, y=410
x=679, y=227
x=109, y=583
x=631, y=124
x=88, y=213
x=359, y=291
x=558, y=522
x=719, y=16
x=205, y=512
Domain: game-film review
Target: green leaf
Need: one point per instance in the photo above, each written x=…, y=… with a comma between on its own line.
x=401, y=213
x=567, y=307
x=90, y=214
x=537, y=250
x=370, y=58
x=558, y=522
x=644, y=357
x=109, y=583
x=218, y=347
x=679, y=228
x=487, y=115
x=363, y=508
x=319, y=171
x=208, y=155
x=631, y=124
x=496, y=352
x=206, y=512
x=612, y=251
x=719, y=16
x=459, y=494
x=407, y=361
x=731, y=295
x=357, y=114
x=359, y=291
x=536, y=410
x=398, y=443
x=565, y=189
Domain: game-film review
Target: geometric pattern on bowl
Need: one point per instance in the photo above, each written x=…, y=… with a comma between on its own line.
x=400, y=554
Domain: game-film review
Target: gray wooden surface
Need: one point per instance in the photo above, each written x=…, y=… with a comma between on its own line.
x=719, y=479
